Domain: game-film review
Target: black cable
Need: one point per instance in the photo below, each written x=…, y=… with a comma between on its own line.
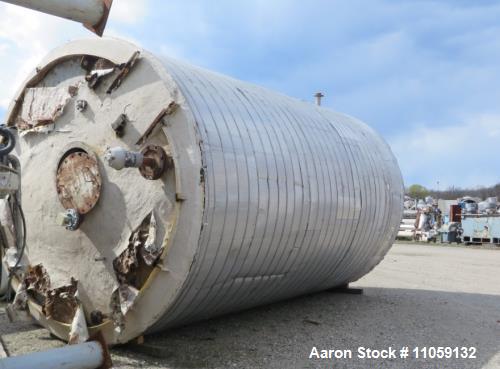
x=10, y=141
x=6, y=147
x=3, y=247
x=23, y=219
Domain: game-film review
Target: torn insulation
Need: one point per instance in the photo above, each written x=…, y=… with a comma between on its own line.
x=42, y=106
x=135, y=263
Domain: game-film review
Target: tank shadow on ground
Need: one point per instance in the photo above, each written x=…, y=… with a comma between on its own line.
x=282, y=335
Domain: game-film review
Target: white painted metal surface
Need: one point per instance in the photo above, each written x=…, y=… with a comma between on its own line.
x=93, y=14
x=88, y=355
x=83, y=11
x=270, y=197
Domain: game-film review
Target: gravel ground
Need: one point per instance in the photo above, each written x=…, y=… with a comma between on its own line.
x=418, y=296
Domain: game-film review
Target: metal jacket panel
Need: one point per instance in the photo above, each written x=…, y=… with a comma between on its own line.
x=297, y=198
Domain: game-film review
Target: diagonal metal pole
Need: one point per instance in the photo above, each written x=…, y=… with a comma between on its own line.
x=93, y=14
x=88, y=355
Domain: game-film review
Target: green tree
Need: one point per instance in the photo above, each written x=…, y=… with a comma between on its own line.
x=417, y=191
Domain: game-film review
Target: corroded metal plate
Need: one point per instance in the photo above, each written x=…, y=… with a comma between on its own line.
x=155, y=162
x=78, y=182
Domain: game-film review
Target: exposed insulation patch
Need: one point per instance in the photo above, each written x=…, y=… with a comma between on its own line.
x=37, y=283
x=61, y=303
x=124, y=71
x=136, y=262
x=133, y=266
x=41, y=108
x=99, y=69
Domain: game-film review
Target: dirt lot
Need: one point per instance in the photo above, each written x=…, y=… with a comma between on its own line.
x=418, y=296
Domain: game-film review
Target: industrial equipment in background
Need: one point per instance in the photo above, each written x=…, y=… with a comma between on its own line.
x=421, y=220
x=468, y=220
x=480, y=221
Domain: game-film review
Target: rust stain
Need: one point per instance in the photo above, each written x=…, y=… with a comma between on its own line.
x=61, y=303
x=169, y=110
x=97, y=69
x=155, y=162
x=37, y=283
x=98, y=28
x=78, y=182
x=133, y=267
x=135, y=263
x=41, y=107
x=73, y=91
x=124, y=71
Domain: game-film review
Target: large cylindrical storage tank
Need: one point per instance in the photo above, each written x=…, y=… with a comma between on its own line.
x=258, y=197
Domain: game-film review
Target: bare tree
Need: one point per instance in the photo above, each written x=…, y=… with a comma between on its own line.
x=452, y=192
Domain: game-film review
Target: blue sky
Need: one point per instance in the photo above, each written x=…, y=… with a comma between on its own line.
x=425, y=74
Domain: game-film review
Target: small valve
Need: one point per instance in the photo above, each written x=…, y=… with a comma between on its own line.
x=151, y=161
x=70, y=219
x=119, y=158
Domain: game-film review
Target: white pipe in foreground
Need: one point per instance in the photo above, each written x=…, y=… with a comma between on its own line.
x=92, y=13
x=89, y=355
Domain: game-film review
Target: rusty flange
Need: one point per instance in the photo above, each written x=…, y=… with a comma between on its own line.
x=155, y=162
x=78, y=181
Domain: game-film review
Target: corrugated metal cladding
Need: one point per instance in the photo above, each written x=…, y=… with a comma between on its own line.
x=298, y=198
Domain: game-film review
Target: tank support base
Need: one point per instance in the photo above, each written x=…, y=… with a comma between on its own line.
x=346, y=289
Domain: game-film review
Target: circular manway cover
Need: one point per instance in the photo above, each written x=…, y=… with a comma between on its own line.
x=78, y=181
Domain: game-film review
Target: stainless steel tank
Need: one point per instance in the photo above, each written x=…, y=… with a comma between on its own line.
x=230, y=196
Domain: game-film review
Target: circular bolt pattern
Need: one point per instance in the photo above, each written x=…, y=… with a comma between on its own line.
x=160, y=159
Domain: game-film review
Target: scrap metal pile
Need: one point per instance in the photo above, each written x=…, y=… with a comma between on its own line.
x=421, y=219
x=469, y=220
x=480, y=221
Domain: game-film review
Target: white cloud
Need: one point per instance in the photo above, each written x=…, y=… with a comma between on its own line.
x=173, y=51
x=462, y=154
x=26, y=36
x=129, y=11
